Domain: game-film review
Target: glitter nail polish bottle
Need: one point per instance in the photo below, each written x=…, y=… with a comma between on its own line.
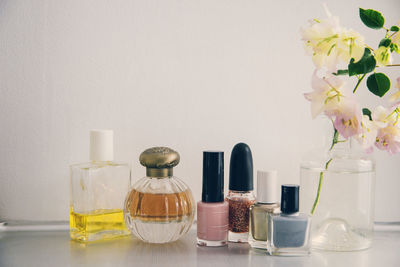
x=240, y=196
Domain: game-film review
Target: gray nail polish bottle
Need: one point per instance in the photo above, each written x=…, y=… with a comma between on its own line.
x=289, y=232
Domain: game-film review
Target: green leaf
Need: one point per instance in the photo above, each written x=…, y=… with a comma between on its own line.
x=394, y=47
x=394, y=29
x=341, y=72
x=366, y=64
x=385, y=42
x=367, y=112
x=371, y=18
x=378, y=84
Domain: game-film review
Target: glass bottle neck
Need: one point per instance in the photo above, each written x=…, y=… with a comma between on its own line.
x=290, y=214
x=159, y=173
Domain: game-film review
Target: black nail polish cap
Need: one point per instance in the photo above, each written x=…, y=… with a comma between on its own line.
x=241, y=168
x=290, y=198
x=213, y=176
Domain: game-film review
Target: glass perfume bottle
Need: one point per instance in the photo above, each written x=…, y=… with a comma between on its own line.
x=160, y=207
x=97, y=192
x=212, y=210
x=240, y=196
x=267, y=204
x=289, y=232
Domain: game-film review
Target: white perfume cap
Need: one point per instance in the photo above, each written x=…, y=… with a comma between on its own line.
x=267, y=185
x=101, y=145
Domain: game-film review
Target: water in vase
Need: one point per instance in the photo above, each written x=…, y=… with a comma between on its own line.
x=343, y=219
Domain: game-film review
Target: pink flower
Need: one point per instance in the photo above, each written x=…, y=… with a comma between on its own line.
x=389, y=139
x=348, y=118
x=331, y=98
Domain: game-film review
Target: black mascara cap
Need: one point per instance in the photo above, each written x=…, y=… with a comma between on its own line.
x=241, y=168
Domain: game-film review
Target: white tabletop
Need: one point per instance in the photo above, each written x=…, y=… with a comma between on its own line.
x=54, y=248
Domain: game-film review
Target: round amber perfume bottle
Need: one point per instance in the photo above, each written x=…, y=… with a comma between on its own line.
x=160, y=207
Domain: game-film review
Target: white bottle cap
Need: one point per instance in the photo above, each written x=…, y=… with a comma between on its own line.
x=101, y=145
x=267, y=183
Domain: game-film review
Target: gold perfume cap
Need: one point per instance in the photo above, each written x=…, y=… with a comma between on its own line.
x=159, y=161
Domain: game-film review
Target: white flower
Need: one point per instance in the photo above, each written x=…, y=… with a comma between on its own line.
x=331, y=44
x=396, y=96
x=334, y=100
x=383, y=56
x=326, y=96
x=384, y=115
x=396, y=38
x=351, y=45
x=369, y=132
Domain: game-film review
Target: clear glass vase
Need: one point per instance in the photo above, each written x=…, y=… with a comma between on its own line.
x=344, y=213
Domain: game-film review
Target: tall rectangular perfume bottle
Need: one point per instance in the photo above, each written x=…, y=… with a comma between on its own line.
x=289, y=232
x=267, y=204
x=212, y=210
x=97, y=192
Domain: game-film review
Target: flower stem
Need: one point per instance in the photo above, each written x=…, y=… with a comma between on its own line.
x=321, y=178
x=335, y=140
x=358, y=83
x=370, y=48
x=392, y=65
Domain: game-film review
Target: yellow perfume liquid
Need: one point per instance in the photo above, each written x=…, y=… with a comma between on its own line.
x=97, y=225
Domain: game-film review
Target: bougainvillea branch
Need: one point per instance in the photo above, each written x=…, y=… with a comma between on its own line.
x=340, y=53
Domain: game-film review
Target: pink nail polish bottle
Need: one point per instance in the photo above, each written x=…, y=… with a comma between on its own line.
x=212, y=210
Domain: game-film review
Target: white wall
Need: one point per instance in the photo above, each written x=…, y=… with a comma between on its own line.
x=192, y=75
